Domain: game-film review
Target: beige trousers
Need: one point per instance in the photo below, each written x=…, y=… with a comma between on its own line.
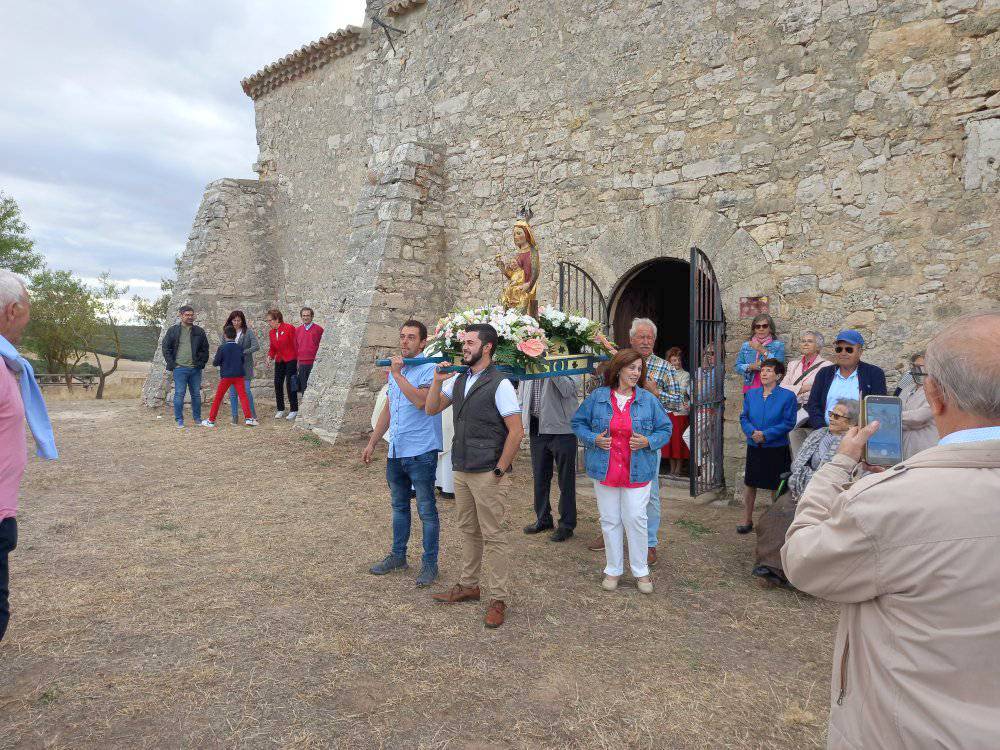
x=481, y=503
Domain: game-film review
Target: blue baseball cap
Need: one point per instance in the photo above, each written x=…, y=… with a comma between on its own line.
x=851, y=337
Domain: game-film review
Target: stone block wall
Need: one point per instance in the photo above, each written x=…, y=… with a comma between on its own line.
x=394, y=271
x=839, y=156
x=228, y=264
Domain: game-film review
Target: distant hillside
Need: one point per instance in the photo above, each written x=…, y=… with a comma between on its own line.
x=138, y=343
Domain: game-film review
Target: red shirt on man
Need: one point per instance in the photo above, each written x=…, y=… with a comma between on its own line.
x=283, y=343
x=307, y=342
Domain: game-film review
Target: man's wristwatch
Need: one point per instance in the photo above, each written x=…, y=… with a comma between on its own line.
x=498, y=472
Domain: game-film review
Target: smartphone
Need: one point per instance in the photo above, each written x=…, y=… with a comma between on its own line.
x=885, y=447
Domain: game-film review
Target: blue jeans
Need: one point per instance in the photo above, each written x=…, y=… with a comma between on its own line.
x=187, y=378
x=653, y=506
x=234, y=402
x=416, y=472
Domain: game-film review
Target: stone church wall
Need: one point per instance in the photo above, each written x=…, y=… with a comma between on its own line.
x=228, y=264
x=840, y=157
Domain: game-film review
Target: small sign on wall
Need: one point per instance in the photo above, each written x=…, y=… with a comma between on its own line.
x=753, y=306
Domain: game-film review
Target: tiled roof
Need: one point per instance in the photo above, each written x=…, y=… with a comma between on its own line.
x=309, y=57
x=399, y=7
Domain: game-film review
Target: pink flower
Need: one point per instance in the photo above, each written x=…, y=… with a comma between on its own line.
x=532, y=347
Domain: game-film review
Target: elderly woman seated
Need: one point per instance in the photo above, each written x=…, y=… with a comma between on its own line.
x=822, y=444
x=818, y=448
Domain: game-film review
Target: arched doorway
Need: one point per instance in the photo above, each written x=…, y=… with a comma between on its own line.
x=684, y=299
x=660, y=290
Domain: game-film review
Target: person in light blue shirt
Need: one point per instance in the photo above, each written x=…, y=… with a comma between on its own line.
x=414, y=444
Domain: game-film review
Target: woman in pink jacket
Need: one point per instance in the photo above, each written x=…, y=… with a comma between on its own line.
x=799, y=379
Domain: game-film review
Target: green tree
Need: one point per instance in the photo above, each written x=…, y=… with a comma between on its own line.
x=106, y=300
x=63, y=320
x=17, y=252
x=155, y=313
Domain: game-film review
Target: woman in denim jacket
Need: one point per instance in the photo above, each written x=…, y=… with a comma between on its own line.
x=623, y=427
x=762, y=344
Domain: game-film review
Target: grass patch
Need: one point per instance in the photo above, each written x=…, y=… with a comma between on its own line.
x=49, y=696
x=694, y=528
x=689, y=584
x=311, y=438
x=167, y=526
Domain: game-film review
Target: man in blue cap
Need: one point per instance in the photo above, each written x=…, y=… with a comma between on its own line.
x=851, y=378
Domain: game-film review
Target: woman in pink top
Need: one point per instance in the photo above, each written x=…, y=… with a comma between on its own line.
x=623, y=428
x=799, y=380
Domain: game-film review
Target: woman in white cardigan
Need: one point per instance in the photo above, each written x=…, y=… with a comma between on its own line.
x=799, y=380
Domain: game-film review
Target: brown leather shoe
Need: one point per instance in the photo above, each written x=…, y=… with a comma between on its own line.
x=597, y=544
x=495, y=614
x=651, y=557
x=458, y=593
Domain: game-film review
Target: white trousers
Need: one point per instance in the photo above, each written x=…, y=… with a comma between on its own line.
x=623, y=513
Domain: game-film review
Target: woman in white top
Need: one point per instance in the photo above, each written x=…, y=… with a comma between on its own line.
x=799, y=380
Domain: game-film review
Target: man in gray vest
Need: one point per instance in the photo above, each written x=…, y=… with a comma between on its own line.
x=547, y=406
x=488, y=434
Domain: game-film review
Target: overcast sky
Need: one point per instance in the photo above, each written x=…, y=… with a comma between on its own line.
x=116, y=114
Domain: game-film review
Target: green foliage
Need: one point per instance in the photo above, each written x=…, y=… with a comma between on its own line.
x=17, y=252
x=695, y=528
x=106, y=297
x=138, y=343
x=63, y=319
x=40, y=368
x=508, y=354
x=155, y=313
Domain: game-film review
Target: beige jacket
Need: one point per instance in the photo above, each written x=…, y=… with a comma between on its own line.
x=913, y=554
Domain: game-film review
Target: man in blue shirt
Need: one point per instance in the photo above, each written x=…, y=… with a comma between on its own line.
x=850, y=379
x=414, y=444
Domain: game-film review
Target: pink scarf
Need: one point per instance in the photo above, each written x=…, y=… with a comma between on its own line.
x=764, y=340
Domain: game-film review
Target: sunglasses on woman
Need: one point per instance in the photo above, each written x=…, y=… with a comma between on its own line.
x=762, y=325
x=834, y=415
x=848, y=349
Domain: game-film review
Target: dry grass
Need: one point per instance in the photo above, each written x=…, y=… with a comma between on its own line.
x=208, y=589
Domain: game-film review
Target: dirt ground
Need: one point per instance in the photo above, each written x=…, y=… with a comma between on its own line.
x=204, y=588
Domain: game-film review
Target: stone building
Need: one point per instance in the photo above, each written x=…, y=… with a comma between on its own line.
x=837, y=156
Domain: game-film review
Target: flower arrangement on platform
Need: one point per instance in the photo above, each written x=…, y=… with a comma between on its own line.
x=522, y=345
x=572, y=334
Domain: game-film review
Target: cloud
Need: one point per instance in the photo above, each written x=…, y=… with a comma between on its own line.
x=117, y=114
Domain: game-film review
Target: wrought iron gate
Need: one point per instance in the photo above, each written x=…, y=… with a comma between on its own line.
x=708, y=361
x=580, y=295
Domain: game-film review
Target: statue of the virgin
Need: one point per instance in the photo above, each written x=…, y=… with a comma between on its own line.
x=522, y=271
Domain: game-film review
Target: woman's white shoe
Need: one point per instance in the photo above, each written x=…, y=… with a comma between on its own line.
x=610, y=583
x=645, y=587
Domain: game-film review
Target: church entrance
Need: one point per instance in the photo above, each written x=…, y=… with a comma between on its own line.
x=684, y=300
x=661, y=291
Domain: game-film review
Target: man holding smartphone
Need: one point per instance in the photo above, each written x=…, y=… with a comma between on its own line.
x=488, y=433
x=851, y=379
x=911, y=554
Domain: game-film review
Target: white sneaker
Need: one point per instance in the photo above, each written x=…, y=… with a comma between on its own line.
x=292, y=415
x=279, y=414
x=251, y=423
x=206, y=423
x=645, y=587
